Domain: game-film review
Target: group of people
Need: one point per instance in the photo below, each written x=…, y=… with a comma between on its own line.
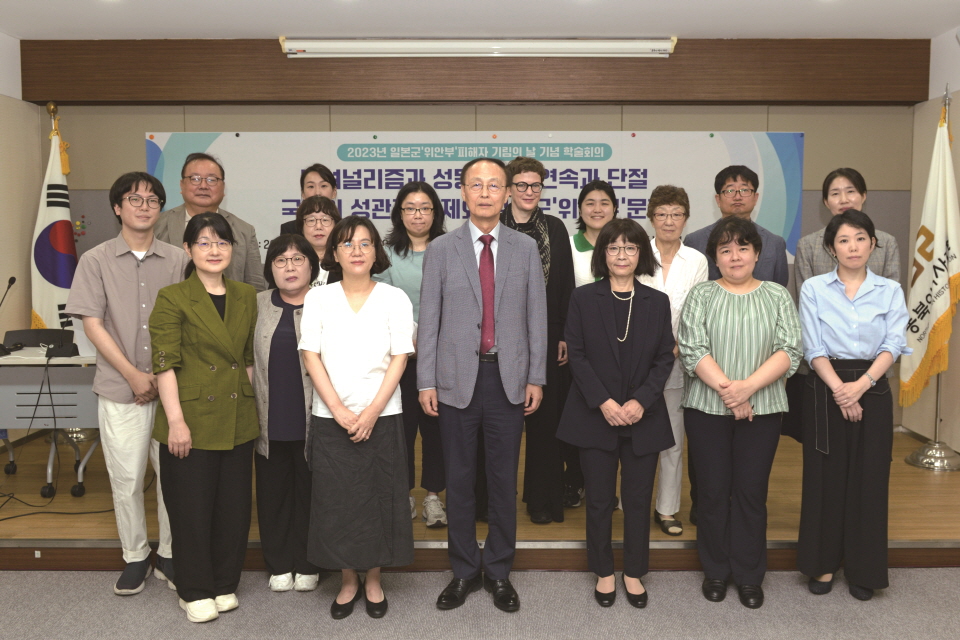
x=607, y=348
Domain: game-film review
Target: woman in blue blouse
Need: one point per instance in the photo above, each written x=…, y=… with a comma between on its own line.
x=854, y=328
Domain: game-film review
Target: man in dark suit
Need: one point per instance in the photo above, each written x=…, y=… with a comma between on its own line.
x=315, y=180
x=482, y=349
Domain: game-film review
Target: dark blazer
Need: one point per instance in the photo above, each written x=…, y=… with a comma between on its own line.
x=591, y=336
x=290, y=226
x=210, y=357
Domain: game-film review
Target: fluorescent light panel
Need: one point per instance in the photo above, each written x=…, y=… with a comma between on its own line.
x=409, y=48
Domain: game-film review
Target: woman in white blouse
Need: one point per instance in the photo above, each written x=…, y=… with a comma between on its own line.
x=681, y=267
x=355, y=339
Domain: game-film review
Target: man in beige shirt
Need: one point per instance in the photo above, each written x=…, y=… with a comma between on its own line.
x=113, y=292
x=202, y=187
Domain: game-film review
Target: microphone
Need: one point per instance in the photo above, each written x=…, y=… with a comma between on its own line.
x=4, y=351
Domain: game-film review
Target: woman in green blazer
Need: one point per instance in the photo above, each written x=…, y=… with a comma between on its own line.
x=202, y=335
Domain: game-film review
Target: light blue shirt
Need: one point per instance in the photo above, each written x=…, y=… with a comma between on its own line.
x=834, y=326
x=475, y=234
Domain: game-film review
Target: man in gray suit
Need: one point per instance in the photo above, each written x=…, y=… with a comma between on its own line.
x=202, y=187
x=482, y=349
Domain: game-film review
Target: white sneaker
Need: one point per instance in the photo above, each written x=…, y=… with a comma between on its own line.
x=281, y=582
x=227, y=602
x=306, y=582
x=433, y=513
x=200, y=610
x=413, y=509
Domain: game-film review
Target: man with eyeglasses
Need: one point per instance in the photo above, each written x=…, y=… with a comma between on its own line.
x=113, y=292
x=315, y=180
x=482, y=349
x=202, y=188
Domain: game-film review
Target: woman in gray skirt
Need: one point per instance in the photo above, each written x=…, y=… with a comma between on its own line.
x=355, y=339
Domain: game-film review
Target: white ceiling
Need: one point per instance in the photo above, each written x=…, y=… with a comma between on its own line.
x=147, y=19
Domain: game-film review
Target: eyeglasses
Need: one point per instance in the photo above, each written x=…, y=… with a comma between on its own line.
x=630, y=249
x=210, y=180
x=536, y=187
x=673, y=216
x=730, y=193
x=412, y=211
x=365, y=247
x=281, y=262
x=323, y=221
x=205, y=246
x=477, y=187
x=137, y=201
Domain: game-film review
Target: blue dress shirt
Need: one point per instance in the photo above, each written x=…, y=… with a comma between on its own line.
x=834, y=326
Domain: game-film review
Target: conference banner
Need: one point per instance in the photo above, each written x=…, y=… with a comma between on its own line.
x=262, y=170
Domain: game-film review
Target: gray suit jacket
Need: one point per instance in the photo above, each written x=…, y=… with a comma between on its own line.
x=245, y=264
x=448, y=337
x=772, y=265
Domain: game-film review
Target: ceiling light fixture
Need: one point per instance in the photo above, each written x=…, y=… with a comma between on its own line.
x=449, y=48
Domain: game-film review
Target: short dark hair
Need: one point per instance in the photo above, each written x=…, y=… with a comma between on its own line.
x=279, y=246
x=590, y=187
x=496, y=161
x=667, y=194
x=316, y=204
x=852, y=217
x=734, y=171
x=733, y=229
x=397, y=239
x=325, y=174
x=850, y=174
x=523, y=164
x=208, y=220
x=632, y=232
x=131, y=182
x=193, y=157
x=344, y=231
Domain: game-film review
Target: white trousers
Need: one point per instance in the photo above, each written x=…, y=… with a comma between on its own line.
x=671, y=460
x=125, y=437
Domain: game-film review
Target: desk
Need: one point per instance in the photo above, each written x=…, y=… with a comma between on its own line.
x=68, y=403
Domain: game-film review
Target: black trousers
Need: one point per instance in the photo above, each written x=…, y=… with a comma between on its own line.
x=543, y=468
x=414, y=419
x=208, y=495
x=600, y=484
x=501, y=423
x=733, y=459
x=843, y=515
x=283, y=507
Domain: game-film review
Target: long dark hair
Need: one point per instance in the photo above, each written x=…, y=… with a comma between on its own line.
x=209, y=220
x=397, y=239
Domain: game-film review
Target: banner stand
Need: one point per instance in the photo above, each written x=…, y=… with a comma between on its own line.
x=935, y=455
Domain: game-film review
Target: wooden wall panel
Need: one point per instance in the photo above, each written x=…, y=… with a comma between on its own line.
x=256, y=71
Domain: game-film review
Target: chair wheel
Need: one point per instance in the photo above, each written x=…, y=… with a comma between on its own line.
x=76, y=466
x=10, y=468
x=78, y=490
x=48, y=491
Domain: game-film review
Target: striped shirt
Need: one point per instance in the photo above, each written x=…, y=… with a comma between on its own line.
x=740, y=331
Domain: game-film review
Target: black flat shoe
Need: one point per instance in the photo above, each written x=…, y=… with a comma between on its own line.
x=637, y=600
x=714, y=590
x=860, y=593
x=340, y=611
x=606, y=599
x=455, y=594
x=376, y=609
x=751, y=595
x=505, y=597
x=820, y=587
x=541, y=517
x=666, y=524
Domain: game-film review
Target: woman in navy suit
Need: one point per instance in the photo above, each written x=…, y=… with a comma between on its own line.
x=620, y=343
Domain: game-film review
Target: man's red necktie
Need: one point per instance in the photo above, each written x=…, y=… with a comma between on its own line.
x=487, y=285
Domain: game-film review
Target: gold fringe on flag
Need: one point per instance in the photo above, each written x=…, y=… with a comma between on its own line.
x=936, y=359
x=64, y=158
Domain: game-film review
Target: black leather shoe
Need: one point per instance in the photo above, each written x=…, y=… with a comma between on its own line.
x=751, y=595
x=483, y=515
x=541, y=517
x=505, y=597
x=455, y=594
x=860, y=593
x=341, y=611
x=637, y=600
x=605, y=599
x=377, y=609
x=714, y=590
x=820, y=588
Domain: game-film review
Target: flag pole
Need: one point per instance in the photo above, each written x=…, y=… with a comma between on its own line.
x=52, y=110
x=936, y=455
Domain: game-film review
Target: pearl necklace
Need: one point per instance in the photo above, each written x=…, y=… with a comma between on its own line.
x=629, y=312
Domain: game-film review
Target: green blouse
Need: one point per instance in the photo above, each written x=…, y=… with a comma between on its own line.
x=740, y=331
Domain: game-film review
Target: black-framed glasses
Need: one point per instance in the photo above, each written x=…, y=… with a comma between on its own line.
x=137, y=201
x=675, y=216
x=630, y=249
x=323, y=221
x=412, y=211
x=365, y=247
x=730, y=193
x=280, y=262
x=536, y=187
x=210, y=180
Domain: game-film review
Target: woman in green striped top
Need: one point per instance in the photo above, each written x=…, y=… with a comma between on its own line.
x=739, y=340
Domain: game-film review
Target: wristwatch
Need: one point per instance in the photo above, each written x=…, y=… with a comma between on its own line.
x=873, y=382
